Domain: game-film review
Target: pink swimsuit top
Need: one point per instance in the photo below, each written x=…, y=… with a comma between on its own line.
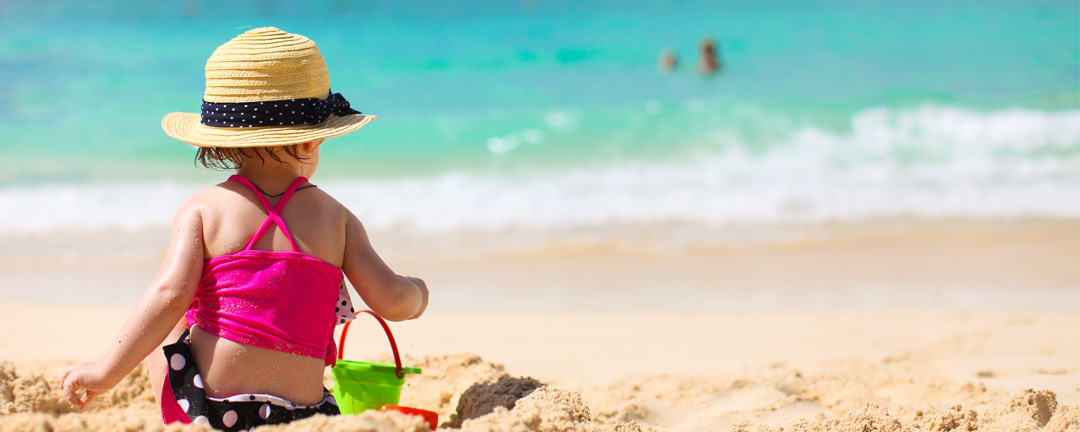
x=283, y=301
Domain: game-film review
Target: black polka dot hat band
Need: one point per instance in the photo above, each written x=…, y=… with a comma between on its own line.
x=275, y=113
x=266, y=87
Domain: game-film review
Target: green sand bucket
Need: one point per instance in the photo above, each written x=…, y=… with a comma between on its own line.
x=360, y=386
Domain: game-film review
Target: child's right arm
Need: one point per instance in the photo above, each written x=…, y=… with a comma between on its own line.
x=155, y=315
x=393, y=297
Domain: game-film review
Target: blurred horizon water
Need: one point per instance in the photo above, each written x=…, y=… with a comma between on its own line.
x=553, y=116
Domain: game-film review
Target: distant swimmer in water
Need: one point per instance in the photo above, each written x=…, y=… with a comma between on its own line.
x=668, y=60
x=710, y=62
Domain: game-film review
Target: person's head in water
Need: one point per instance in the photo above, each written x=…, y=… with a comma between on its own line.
x=668, y=60
x=709, y=62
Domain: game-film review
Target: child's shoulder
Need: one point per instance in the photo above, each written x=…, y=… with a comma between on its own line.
x=196, y=204
x=221, y=191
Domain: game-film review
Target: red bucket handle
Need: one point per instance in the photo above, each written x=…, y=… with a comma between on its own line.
x=400, y=372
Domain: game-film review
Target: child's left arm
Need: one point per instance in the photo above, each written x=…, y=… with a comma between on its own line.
x=155, y=315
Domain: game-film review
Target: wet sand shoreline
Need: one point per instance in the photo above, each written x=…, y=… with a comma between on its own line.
x=946, y=264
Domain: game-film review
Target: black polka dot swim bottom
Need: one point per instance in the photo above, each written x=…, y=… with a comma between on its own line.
x=234, y=413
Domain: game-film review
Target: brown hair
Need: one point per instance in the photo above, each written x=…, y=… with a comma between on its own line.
x=230, y=158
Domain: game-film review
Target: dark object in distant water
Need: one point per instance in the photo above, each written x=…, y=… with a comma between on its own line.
x=668, y=60
x=710, y=61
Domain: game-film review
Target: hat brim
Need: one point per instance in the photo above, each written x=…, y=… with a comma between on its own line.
x=187, y=127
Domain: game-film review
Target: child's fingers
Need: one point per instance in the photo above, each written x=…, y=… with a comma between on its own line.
x=71, y=393
x=87, y=396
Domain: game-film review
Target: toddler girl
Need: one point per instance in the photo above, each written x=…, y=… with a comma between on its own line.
x=239, y=322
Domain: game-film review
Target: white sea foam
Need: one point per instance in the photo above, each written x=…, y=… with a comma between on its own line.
x=89, y=208
x=927, y=163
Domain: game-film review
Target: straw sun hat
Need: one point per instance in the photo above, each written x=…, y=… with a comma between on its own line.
x=265, y=87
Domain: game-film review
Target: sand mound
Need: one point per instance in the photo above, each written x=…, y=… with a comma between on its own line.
x=444, y=380
x=1067, y=418
x=952, y=419
x=35, y=393
x=119, y=420
x=472, y=395
x=479, y=396
x=26, y=394
x=1029, y=411
x=545, y=409
x=483, y=397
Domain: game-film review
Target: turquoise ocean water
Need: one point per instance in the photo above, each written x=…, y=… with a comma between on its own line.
x=553, y=117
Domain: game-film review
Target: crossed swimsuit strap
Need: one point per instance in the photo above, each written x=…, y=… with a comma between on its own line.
x=345, y=311
x=274, y=211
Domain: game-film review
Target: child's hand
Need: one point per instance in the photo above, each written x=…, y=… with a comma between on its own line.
x=85, y=376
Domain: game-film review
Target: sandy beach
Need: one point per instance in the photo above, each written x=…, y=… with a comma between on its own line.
x=918, y=327
x=643, y=216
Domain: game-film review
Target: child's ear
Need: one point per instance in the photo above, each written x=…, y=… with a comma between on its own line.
x=309, y=147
